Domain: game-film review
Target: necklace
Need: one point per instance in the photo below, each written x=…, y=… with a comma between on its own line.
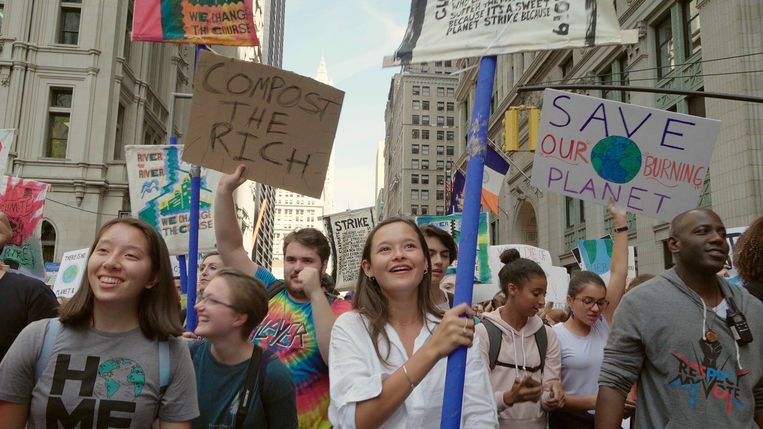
x=710, y=335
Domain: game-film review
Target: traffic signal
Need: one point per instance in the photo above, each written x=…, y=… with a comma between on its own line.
x=511, y=130
x=533, y=125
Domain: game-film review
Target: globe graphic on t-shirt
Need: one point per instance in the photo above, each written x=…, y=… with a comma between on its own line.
x=120, y=379
x=70, y=273
x=616, y=159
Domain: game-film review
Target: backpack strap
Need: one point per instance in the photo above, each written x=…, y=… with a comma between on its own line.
x=48, y=341
x=267, y=356
x=541, y=339
x=252, y=374
x=494, y=338
x=164, y=365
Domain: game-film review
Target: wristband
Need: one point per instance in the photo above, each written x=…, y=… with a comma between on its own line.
x=621, y=228
x=408, y=377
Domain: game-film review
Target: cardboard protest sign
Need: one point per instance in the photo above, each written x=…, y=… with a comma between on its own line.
x=347, y=232
x=70, y=273
x=279, y=124
x=652, y=162
x=212, y=22
x=452, y=225
x=22, y=202
x=160, y=194
x=596, y=256
x=6, y=140
x=557, y=277
x=449, y=30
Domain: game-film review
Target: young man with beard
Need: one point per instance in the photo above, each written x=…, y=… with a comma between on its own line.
x=684, y=338
x=442, y=253
x=300, y=315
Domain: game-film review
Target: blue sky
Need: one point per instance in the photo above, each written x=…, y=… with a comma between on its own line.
x=353, y=36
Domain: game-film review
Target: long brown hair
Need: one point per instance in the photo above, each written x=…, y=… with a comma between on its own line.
x=158, y=307
x=748, y=253
x=371, y=302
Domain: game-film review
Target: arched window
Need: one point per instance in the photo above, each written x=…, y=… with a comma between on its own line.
x=48, y=241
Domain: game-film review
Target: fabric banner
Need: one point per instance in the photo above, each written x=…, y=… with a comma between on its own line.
x=22, y=201
x=557, y=277
x=347, y=232
x=201, y=22
x=651, y=162
x=448, y=30
x=160, y=194
x=493, y=177
x=452, y=225
x=457, y=193
x=6, y=141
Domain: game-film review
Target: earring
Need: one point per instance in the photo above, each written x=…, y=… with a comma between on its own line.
x=373, y=279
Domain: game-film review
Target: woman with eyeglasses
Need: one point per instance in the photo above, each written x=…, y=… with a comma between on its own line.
x=229, y=367
x=583, y=336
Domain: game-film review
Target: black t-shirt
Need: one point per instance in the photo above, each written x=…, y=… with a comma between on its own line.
x=23, y=300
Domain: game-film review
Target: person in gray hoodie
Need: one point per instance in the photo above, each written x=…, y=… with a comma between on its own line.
x=671, y=335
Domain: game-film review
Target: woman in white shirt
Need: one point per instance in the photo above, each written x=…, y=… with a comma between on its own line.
x=583, y=336
x=386, y=361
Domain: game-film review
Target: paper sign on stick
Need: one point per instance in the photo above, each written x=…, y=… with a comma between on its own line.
x=73, y=268
x=557, y=278
x=347, y=233
x=6, y=140
x=160, y=194
x=279, y=124
x=22, y=202
x=649, y=161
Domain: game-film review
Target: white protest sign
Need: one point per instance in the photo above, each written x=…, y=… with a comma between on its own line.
x=449, y=30
x=70, y=273
x=347, y=233
x=732, y=236
x=652, y=162
x=160, y=194
x=6, y=141
x=557, y=277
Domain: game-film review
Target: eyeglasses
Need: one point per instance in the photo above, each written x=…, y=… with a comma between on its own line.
x=589, y=302
x=208, y=300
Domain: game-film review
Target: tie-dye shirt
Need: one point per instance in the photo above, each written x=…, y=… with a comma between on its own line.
x=288, y=331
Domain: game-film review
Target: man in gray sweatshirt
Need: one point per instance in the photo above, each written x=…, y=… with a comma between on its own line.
x=671, y=336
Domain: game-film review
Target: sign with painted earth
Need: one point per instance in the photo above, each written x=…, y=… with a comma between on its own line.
x=648, y=161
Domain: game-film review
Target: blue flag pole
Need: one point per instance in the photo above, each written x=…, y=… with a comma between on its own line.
x=467, y=249
x=180, y=258
x=193, y=241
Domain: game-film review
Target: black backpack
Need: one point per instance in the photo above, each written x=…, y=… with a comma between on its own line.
x=494, y=336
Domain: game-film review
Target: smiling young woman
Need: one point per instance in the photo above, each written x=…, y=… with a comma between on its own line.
x=386, y=356
x=106, y=362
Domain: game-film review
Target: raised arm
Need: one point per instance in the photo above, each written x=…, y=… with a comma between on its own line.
x=323, y=315
x=619, y=264
x=230, y=242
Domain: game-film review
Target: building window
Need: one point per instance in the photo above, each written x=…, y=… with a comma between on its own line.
x=414, y=194
x=440, y=177
x=68, y=25
x=416, y=105
x=574, y=212
x=414, y=179
x=424, y=105
x=440, y=106
x=450, y=136
x=415, y=133
x=440, y=210
x=440, y=148
x=440, y=166
x=440, y=195
x=567, y=67
x=691, y=18
x=118, y=137
x=450, y=165
x=425, y=134
x=440, y=91
x=415, y=164
x=616, y=74
x=425, y=149
x=48, y=241
x=425, y=210
x=425, y=119
x=424, y=195
x=416, y=90
x=425, y=91
x=59, y=116
x=425, y=164
x=450, y=92
x=415, y=119
x=449, y=150
x=440, y=121
x=2, y=16
x=449, y=121
x=415, y=149
x=450, y=106
x=448, y=63
x=414, y=209
x=438, y=63
x=424, y=179
x=666, y=60
x=440, y=137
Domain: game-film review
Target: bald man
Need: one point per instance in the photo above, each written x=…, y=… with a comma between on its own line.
x=671, y=335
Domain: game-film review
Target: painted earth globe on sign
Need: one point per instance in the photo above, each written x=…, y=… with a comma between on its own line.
x=616, y=159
